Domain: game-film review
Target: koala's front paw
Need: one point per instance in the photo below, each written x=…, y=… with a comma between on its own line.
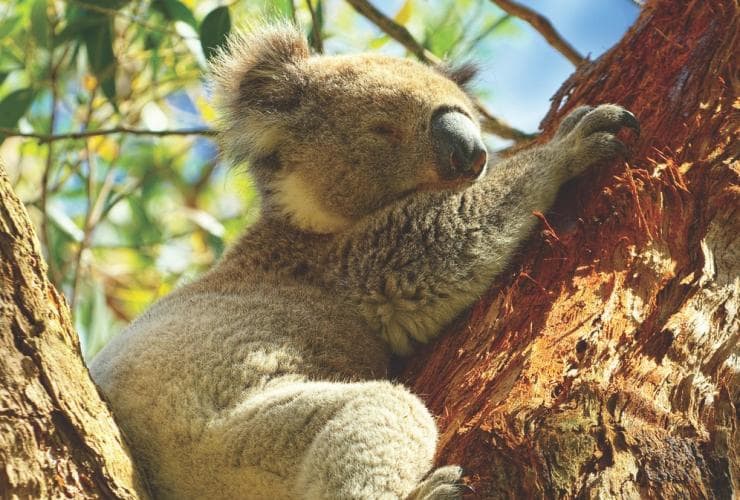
x=588, y=136
x=442, y=484
x=570, y=121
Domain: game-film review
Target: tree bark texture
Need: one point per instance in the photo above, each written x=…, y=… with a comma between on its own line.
x=605, y=364
x=57, y=437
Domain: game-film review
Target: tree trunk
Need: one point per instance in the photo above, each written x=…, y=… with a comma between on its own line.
x=57, y=437
x=606, y=363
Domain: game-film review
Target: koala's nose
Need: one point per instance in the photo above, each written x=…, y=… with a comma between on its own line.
x=460, y=149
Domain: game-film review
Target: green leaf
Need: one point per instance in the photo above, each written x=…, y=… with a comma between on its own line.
x=377, y=43
x=13, y=107
x=40, y=23
x=109, y=90
x=214, y=29
x=442, y=38
x=174, y=10
x=100, y=57
x=76, y=26
x=284, y=8
x=99, y=44
x=7, y=25
x=152, y=40
x=9, y=62
x=104, y=4
x=319, y=9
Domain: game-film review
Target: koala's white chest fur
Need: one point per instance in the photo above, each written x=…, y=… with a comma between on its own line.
x=296, y=200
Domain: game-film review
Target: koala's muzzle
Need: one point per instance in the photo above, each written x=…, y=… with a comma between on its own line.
x=460, y=149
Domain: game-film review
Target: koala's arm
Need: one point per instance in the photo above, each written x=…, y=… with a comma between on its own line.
x=415, y=266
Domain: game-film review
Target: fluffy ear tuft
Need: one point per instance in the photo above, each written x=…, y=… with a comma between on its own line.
x=256, y=77
x=461, y=74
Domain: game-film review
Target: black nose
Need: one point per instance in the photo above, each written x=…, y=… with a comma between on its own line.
x=460, y=149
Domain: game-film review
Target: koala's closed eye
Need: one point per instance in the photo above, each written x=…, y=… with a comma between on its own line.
x=387, y=131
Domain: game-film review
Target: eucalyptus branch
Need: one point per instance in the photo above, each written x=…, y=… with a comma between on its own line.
x=54, y=274
x=86, y=229
x=399, y=33
x=396, y=31
x=88, y=224
x=496, y=126
x=48, y=164
x=49, y=138
x=544, y=27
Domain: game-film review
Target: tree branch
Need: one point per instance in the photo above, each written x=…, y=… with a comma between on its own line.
x=545, y=28
x=44, y=138
x=498, y=127
x=399, y=33
x=54, y=273
x=394, y=30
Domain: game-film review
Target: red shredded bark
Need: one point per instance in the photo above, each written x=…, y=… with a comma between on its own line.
x=606, y=362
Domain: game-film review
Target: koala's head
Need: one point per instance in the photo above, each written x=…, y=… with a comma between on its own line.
x=331, y=139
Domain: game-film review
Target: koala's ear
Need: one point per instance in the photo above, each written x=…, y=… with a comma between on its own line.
x=257, y=76
x=461, y=74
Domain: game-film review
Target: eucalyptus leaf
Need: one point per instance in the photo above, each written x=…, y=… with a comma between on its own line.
x=99, y=45
x=78, y=24
x=104, y=4
x=174, y=10
x=40, y=23
x=214, y=29
x=13, y=107
x=284, y=8
x=109, y=90
x=8, y=25
x=100, y=57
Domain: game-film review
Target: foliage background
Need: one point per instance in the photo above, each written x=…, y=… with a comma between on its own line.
x=125, y=217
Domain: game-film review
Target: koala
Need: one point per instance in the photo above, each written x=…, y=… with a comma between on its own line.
x=380, y=222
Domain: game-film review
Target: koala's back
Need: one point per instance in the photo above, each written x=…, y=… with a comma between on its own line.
x=201, y=352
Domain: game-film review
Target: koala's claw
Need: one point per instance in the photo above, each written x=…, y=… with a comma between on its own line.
x=606, y=118
x=630, y=121
x=570, y=121
x=467, y=488
x=442, y=484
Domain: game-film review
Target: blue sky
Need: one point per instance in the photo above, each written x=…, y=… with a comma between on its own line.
x=524, y=72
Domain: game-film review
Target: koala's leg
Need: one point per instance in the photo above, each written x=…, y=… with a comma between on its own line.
x=335, y=441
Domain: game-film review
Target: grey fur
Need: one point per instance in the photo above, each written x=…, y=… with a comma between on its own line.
x=265, y=377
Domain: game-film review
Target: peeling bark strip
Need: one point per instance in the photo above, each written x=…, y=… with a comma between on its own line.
x=57, y=438
x=606, y=365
